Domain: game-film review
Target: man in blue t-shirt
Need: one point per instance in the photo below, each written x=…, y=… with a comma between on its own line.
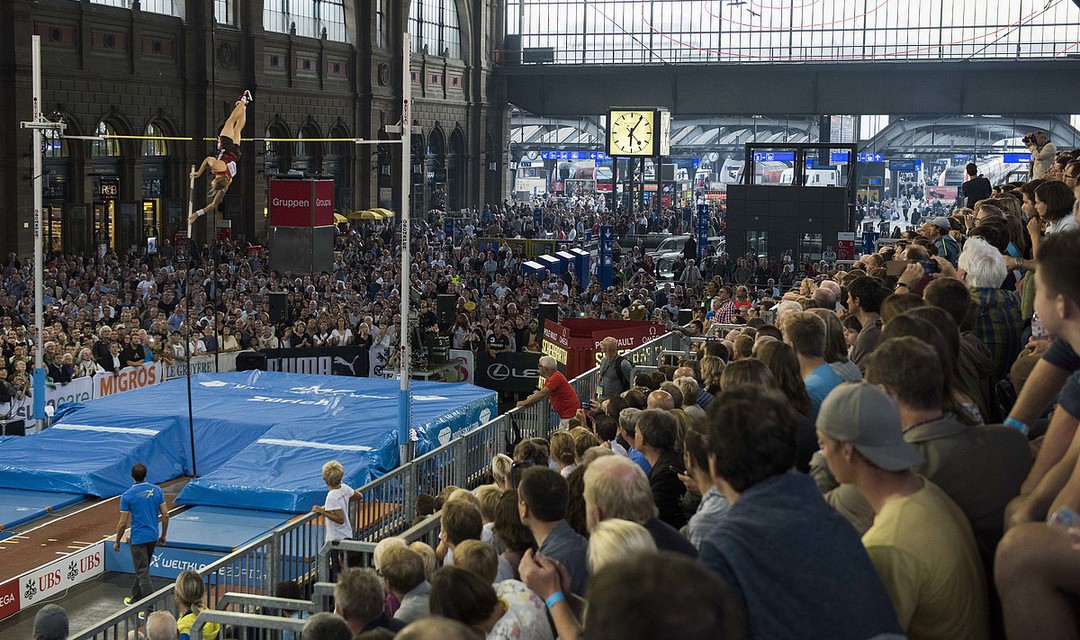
x=140, y=506
x=805, y=332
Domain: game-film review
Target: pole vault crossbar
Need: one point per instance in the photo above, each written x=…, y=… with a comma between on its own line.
x=103, y=138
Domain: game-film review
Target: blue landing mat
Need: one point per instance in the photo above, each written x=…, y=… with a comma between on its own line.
x=220, y=529
x=18, y=506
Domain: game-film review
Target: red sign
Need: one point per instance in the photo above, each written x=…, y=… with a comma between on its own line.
x=301, y=203
x=9, y=598
x=574, y=341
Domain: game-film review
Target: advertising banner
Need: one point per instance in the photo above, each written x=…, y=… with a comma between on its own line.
x=62, y=574
x=166, y=562
x=128, y=378
x=378, y=359
x=465, y=363
x=605, y=270
x=9, y=598
x=702, y=230
x=301, y=203
x=323, y=361
x=516, y=372
x=78, y=390
x=197, y=364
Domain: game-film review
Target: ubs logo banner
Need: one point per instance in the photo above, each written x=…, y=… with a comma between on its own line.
x=515, y=372
x=62, y=574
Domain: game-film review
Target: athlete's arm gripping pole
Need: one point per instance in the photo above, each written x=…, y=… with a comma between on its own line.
x=190, y=204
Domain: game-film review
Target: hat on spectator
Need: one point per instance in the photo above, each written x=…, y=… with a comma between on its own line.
x=51, y=623
x=940, y=221
x=863, y=415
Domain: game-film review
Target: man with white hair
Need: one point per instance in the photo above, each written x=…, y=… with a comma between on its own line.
x=998, y=319
x=564, y=400
x=615, y=487
x=161, y=625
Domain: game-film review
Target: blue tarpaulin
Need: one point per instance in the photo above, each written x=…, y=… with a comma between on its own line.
x=260, y=437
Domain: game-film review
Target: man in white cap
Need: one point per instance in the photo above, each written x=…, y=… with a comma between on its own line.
x=937, y=231
x=921, y=542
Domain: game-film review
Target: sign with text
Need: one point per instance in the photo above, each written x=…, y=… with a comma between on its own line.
x=702, y=230
x=514, y=372
x=605, y=268
x=78, y=390
x=301, y=203
x=322, y=361
x=197, y=364
x=62, y=574
x=128, y=378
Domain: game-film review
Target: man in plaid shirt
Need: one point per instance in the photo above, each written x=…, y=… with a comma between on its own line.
x=723, y=307
x=998, y=320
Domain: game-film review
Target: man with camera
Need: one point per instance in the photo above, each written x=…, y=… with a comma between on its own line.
x=1042, y=153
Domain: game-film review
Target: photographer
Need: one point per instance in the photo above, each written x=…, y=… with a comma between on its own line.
x=1042, y=153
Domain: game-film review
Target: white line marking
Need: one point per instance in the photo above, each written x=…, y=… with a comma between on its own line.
x=314, y=445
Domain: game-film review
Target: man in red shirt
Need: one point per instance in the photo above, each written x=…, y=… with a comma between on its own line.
x=564, y=400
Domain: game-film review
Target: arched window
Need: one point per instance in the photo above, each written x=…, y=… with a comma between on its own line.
x=164, y=7
x=434, y=24
x=338, y=163
x=108, y=147
x=311, y=17
x=278, y=157
x=154, y=145
x=308, y=154
x=53, y=146
x=436, y=170
x=455, y=171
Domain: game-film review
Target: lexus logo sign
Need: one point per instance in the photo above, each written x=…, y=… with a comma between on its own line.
x=498, y=371
x=517, y=372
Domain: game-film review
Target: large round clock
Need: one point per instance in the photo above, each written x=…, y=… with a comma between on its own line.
x=631, y=132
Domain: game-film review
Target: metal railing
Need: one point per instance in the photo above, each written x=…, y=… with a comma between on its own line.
x=386, y=506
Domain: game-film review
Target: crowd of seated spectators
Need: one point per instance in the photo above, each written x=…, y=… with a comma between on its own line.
x=888, y=451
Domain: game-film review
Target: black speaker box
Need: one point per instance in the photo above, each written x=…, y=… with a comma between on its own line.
x=445, y=308
x=279, y=306
x=250, y=361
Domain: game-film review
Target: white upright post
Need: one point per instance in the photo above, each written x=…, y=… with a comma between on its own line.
x=404, y=412
x=39, y=248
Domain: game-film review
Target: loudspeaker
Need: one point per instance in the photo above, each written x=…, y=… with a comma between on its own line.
x=547, y=311
x=250, y=361
x=445, y=306
x=279, y=306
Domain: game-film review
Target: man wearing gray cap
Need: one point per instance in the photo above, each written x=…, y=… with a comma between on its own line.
x=921, y=542
x=51, y=623
x=937, y=231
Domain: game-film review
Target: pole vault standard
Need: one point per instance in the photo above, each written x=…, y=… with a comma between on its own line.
x=404, y=408
x=38, y=124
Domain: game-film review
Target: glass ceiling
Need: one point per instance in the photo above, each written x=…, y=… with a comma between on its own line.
x=687, y=31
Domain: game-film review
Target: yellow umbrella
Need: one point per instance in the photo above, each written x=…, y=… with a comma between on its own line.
x=386, y=213
x=338, y=218
x=370, y=214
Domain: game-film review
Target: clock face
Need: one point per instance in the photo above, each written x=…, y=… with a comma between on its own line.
x=631, y=133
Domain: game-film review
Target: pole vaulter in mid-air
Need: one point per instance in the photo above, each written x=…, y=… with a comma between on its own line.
x=223, y=164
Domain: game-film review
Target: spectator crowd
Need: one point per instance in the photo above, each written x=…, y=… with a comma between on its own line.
x=884, y=451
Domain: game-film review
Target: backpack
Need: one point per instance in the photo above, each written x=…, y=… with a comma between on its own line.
x=619, y=372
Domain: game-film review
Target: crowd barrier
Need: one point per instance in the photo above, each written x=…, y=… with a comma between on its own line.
x=387, y=506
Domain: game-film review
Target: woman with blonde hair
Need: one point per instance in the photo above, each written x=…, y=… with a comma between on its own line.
x=501, y=466
x=616, y=539
x=189, y=592
x=711, y=370
x=223, y=163
x=563, y=452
